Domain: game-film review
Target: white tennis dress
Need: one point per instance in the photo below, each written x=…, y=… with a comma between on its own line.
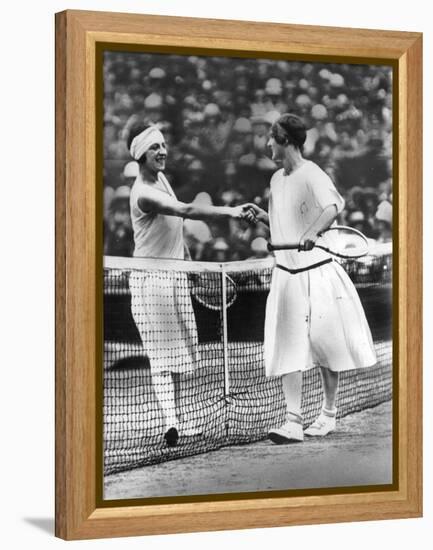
x=160, y=300
x=314, y=317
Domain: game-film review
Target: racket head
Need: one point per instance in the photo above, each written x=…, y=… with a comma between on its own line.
x=344, y=242
x=207, y=290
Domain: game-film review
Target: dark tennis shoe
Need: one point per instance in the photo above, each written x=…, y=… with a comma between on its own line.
x=290, y=432
x=171, y=437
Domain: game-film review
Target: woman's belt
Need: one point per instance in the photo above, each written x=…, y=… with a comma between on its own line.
x=300, y=270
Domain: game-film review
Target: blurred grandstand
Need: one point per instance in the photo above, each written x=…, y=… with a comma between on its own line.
x=215, y=113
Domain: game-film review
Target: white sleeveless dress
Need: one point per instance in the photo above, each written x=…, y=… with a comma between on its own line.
x=314, y=317
x=160, y=300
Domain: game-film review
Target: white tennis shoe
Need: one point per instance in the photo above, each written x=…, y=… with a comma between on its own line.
x=323, y=425
x=290, y=432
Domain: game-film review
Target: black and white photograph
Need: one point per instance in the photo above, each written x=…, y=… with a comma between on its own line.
x=247, y=275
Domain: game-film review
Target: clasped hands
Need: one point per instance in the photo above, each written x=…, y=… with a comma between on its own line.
x=252, y=213
x=249, y=212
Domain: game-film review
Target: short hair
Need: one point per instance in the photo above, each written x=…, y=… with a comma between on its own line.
x=136, y=129
x=289, y=129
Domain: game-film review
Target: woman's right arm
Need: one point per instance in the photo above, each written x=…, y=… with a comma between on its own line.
x=153, y=200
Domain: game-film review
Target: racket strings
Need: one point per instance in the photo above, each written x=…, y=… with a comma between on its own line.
x=208, y=291
x=344, y=242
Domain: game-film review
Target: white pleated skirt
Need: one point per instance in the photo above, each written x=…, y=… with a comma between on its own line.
x=162, y=310
x=315, y=318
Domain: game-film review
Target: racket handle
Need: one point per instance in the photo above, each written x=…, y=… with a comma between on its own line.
x=286, y=246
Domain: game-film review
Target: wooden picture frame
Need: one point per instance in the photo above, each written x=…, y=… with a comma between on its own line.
x=79, y=515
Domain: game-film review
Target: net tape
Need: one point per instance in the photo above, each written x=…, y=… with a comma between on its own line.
x=174, y=331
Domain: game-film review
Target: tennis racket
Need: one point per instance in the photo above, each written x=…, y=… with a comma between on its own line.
x=207, y=290
x=340, y=241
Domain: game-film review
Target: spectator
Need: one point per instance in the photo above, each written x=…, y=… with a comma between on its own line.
x=220, y=250
x=384, y=221
x=118, y=239
x=274, y=92
x=259, y=248
x=358, y=221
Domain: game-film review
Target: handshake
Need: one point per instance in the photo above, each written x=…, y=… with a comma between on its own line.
x=249, y=212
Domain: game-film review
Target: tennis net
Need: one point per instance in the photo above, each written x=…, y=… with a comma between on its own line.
x=186, y=318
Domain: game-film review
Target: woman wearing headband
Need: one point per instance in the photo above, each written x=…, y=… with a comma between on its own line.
x=161, y=305
x=157, y=216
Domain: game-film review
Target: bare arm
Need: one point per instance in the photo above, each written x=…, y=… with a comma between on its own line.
x=154, y=200
x=323, y=222
x=207, y=212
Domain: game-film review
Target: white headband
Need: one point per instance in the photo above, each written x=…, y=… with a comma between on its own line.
x=141, y=143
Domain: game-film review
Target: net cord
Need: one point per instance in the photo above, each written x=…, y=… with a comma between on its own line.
x=185, y=266
x=188, y=266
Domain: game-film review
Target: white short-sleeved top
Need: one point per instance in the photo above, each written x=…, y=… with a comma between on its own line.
x=296, y=201
x=155, y=235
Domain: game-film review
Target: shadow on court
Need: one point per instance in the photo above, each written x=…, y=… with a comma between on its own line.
x=358, y=453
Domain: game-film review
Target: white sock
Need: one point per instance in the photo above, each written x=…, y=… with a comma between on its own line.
x=332, y=413
x=294, y=417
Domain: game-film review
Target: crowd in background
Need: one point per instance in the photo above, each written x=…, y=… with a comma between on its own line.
x=215, y=114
